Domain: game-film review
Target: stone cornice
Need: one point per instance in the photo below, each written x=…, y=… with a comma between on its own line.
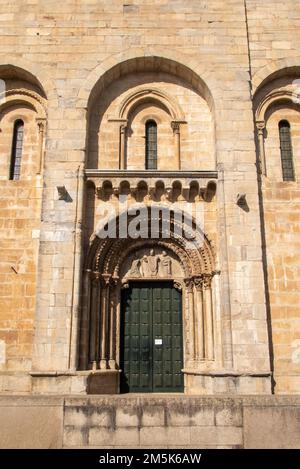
x=151, y=173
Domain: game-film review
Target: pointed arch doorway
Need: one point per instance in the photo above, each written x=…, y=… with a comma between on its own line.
x=151, y=352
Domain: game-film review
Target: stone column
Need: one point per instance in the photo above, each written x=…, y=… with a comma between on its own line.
x=190, y=330
x=199, y=320
x=260, y=127
x=77, y=273
x=118, y=293
x=208, y=315
x=112, y=325
x=105, y=293
x=41, y=123
x=84, y=357
x=93, y=317
x=176, y=130
x=122, y=163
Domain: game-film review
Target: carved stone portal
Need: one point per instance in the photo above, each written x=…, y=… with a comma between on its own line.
x=113, y=264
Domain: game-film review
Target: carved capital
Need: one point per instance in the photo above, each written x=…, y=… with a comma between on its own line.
x=89, y=273
x=207, y=278
x=189, y=284
x=216, y=272
x=123, y=128
x=198, y=282
x=115, y=281
x=95, y=277
x=106, y=280
x=41, y=123
x=99, y=192
x=260, y=125
x=175, y=127
x=168, y=193
x=177, y=285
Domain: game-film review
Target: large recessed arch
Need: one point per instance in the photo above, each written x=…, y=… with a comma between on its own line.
x=276, y=87
x=32, y=74
x=23, y=97
x=289, y=66
x=136, y=75
x=134, y=59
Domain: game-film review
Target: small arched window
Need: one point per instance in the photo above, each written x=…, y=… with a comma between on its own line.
x=286, y=150
x=16, y=153
x=151, y=145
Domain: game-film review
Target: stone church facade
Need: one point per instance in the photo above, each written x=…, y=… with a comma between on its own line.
x=159, y=108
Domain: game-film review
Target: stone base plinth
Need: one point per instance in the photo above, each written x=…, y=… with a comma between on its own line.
x=149, y=421
x=104, y=382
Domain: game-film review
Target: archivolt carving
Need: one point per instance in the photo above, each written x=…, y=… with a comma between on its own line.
x=195, y=254
x=150, y=93
x=276, y=96
x=112, y=263
x=22, y=94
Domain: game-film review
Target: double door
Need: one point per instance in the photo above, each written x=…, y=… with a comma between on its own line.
x=151, y=338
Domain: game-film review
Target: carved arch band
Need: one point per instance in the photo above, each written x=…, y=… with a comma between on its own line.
x=111, y=265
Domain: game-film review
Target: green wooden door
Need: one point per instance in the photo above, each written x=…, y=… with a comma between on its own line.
x=151, y=338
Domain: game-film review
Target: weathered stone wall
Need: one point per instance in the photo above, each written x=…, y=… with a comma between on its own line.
x=20, y=209
x=68, y=48
x=221, y=45
x=19, y=220
x=149, y=422
x=282, y=221
x=273, y=36
x=274, y=50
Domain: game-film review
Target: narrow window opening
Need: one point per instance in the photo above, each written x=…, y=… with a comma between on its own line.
x=16, y=154
x=286, y=150
x=151, y=145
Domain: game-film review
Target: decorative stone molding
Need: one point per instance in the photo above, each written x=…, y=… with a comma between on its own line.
x=271, y=98
x=150, y=94
x=154, y=186
x=30, y=96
